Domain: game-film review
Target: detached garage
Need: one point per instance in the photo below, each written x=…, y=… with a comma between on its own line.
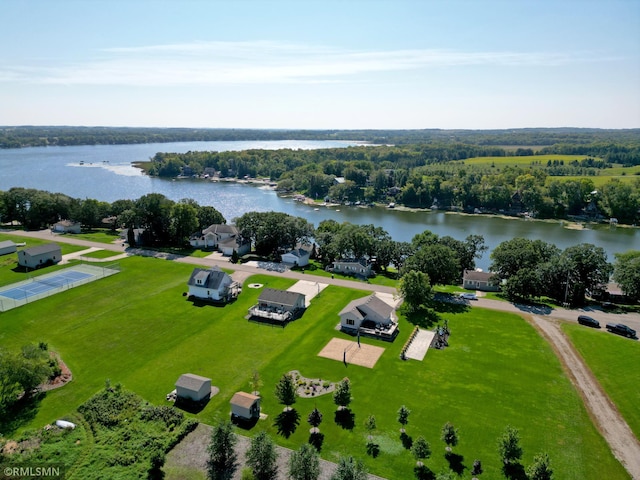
x=40, y=256
x=193, y=387
x=7, y=247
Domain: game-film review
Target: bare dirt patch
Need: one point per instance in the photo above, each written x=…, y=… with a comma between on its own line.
x=61, y=380
x=347, y=351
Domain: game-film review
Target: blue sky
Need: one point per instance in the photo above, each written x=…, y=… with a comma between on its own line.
x=321, y=64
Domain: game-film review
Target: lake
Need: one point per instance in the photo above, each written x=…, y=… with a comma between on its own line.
x=104, y=172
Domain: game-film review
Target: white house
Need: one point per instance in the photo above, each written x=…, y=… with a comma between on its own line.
x=245, y=406
x=40, y=256
x=193, y=387
x=66, y=226
x=299, y=257
x=7, y=247
x=225, y=238
x=212, y=284
x=476, y=280
x=358, y=267
x=370, y=315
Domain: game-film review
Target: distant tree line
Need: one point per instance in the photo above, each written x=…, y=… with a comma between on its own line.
x=39, y=136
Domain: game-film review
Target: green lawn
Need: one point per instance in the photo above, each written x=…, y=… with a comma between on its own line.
x=614, y=361
x=103, y=235
x=137, y=328
x=100, y=254
x=384, y=278
x=521, y=161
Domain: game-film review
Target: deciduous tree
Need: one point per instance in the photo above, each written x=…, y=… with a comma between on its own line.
x=304, y=464
x=222, y=462
x=262, y=457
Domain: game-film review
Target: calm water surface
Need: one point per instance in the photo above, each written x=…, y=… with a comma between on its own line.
x=104, y=172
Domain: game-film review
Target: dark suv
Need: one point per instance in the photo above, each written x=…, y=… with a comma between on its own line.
x=588, y=321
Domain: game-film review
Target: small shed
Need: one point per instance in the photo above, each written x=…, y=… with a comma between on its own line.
x=40, y=256
x=245, y=406
x=7, y=247
x=193, y=387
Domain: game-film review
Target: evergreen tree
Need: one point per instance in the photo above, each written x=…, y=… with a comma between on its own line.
x=403, y=417
x=314, y=419
x=509, y=445
x=421, y=450
x=449, y=435
x=286, y=391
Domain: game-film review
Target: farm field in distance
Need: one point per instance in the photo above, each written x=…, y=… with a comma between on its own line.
x=495, y=164
x=136, y=328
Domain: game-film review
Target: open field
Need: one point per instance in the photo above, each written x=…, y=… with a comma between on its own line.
x=521, y=161
x=136, y=328
x=614, y=361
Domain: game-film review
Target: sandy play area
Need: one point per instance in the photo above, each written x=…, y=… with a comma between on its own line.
x=346, y=350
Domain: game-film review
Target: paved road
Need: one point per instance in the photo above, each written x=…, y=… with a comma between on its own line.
x=615, y=430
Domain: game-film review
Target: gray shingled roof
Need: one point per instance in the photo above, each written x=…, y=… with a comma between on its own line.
x=41, y=249
x=477, y=276
x=191, y=381
x=7, y=243
x=211, y=278
x=282, y=297
x=373, y=302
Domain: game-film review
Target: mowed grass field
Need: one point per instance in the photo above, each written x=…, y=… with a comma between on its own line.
x=495, y=164
x=615, y=361
x=136, y=328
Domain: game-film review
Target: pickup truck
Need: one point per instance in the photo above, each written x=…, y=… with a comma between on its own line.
x=621, y=329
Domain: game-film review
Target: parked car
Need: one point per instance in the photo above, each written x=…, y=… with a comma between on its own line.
x=588, y=321
x=621, y=329
x=468, y=296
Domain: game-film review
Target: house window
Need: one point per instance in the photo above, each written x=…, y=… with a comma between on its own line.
x=350, y=321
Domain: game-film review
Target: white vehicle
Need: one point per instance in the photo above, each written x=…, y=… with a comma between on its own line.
x=468, y=296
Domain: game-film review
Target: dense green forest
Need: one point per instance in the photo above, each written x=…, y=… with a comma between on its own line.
x=34, y=136
x=438, y=175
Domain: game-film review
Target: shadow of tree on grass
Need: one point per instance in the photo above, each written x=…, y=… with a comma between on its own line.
x=514, y=471
x=455, y=462
x=407, y=441
x=316, y=439
x=20, y=413
x=287, y=422
x=345, y=418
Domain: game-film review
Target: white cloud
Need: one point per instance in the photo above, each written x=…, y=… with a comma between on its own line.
x=234, y=63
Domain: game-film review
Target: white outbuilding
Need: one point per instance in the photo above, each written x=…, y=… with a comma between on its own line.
x=7, y=247
x=245, y=406
x=193, y=387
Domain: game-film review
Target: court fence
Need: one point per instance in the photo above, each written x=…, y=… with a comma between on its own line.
x=54, y=282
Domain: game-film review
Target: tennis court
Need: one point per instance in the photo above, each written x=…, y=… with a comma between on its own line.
x=37, y=287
